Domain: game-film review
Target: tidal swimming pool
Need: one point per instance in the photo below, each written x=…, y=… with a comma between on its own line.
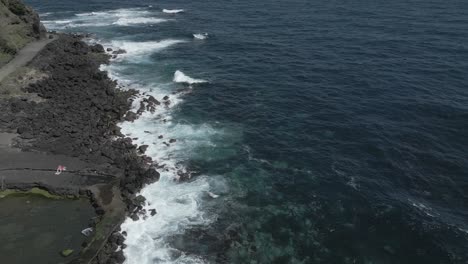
x=35, y=229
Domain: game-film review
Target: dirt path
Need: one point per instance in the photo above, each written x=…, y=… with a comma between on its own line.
x=24, y=56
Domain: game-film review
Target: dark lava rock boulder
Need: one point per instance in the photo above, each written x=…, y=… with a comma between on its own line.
x=142, y=149
x=131, y=116
x=151, y=175
x=152, y=212
x=140, y=200
x=98, y=48
x=120, y=51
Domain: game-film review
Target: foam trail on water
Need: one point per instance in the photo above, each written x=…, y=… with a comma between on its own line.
x=45, y=14
x=173, y=11
x=63, y=24
x=180, y=77
x=57, y=21
x=117, y=17
x=200, y=36
x=137, y=49
x=139, y=20
x=122, y=12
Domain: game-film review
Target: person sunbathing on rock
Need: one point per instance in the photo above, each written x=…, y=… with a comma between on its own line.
x=60, y=169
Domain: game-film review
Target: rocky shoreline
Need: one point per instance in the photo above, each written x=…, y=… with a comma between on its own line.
x=67, y=111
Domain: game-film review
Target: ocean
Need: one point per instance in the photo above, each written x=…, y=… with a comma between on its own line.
x=313, y=131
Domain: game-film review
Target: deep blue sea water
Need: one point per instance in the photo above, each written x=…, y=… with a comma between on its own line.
x=332, y=131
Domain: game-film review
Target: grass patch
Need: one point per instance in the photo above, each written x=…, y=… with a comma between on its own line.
x=5, y=58
x=35, y=191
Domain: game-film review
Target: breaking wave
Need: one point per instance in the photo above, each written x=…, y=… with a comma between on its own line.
x=173, y=11
x=200, y=36
x=180, y=77
x=139, y=20
x=118, y=17
x=144, y=48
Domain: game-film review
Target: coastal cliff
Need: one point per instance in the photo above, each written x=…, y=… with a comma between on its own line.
x=20, y=25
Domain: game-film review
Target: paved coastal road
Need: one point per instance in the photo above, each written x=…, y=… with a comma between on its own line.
x=24, y=56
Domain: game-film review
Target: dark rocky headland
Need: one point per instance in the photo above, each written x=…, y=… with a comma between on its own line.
x=61, y=109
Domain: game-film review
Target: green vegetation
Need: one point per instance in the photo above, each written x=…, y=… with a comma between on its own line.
x=67, y=252
x=4, y=58
x=6, y=193
x=17, y=8
x=34, y=191
x=19, y=26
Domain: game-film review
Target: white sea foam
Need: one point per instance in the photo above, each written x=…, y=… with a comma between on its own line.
x=123, y=12
x=423, y=208
x=179, y=205
x=178, y=208
x=173, y=11
x=92, y=14
x=135, y=50
x=200, y=36
x=63, y=24
x=180, y=77
x=120, y=17
x=45, y=14
x=138, y=20
x=57, y=21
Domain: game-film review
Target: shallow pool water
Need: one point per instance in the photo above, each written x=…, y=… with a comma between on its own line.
x=34, y=229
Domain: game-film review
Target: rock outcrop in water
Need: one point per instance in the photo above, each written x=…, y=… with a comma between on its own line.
x=19, y=25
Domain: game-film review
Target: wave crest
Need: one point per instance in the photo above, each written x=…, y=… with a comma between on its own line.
x=143, y=48
x=119, y=17
x=200, y=36
x=173, y=11
x=138, y=20
x=180, y=77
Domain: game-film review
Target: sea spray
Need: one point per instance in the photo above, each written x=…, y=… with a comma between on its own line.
x=180, y=77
